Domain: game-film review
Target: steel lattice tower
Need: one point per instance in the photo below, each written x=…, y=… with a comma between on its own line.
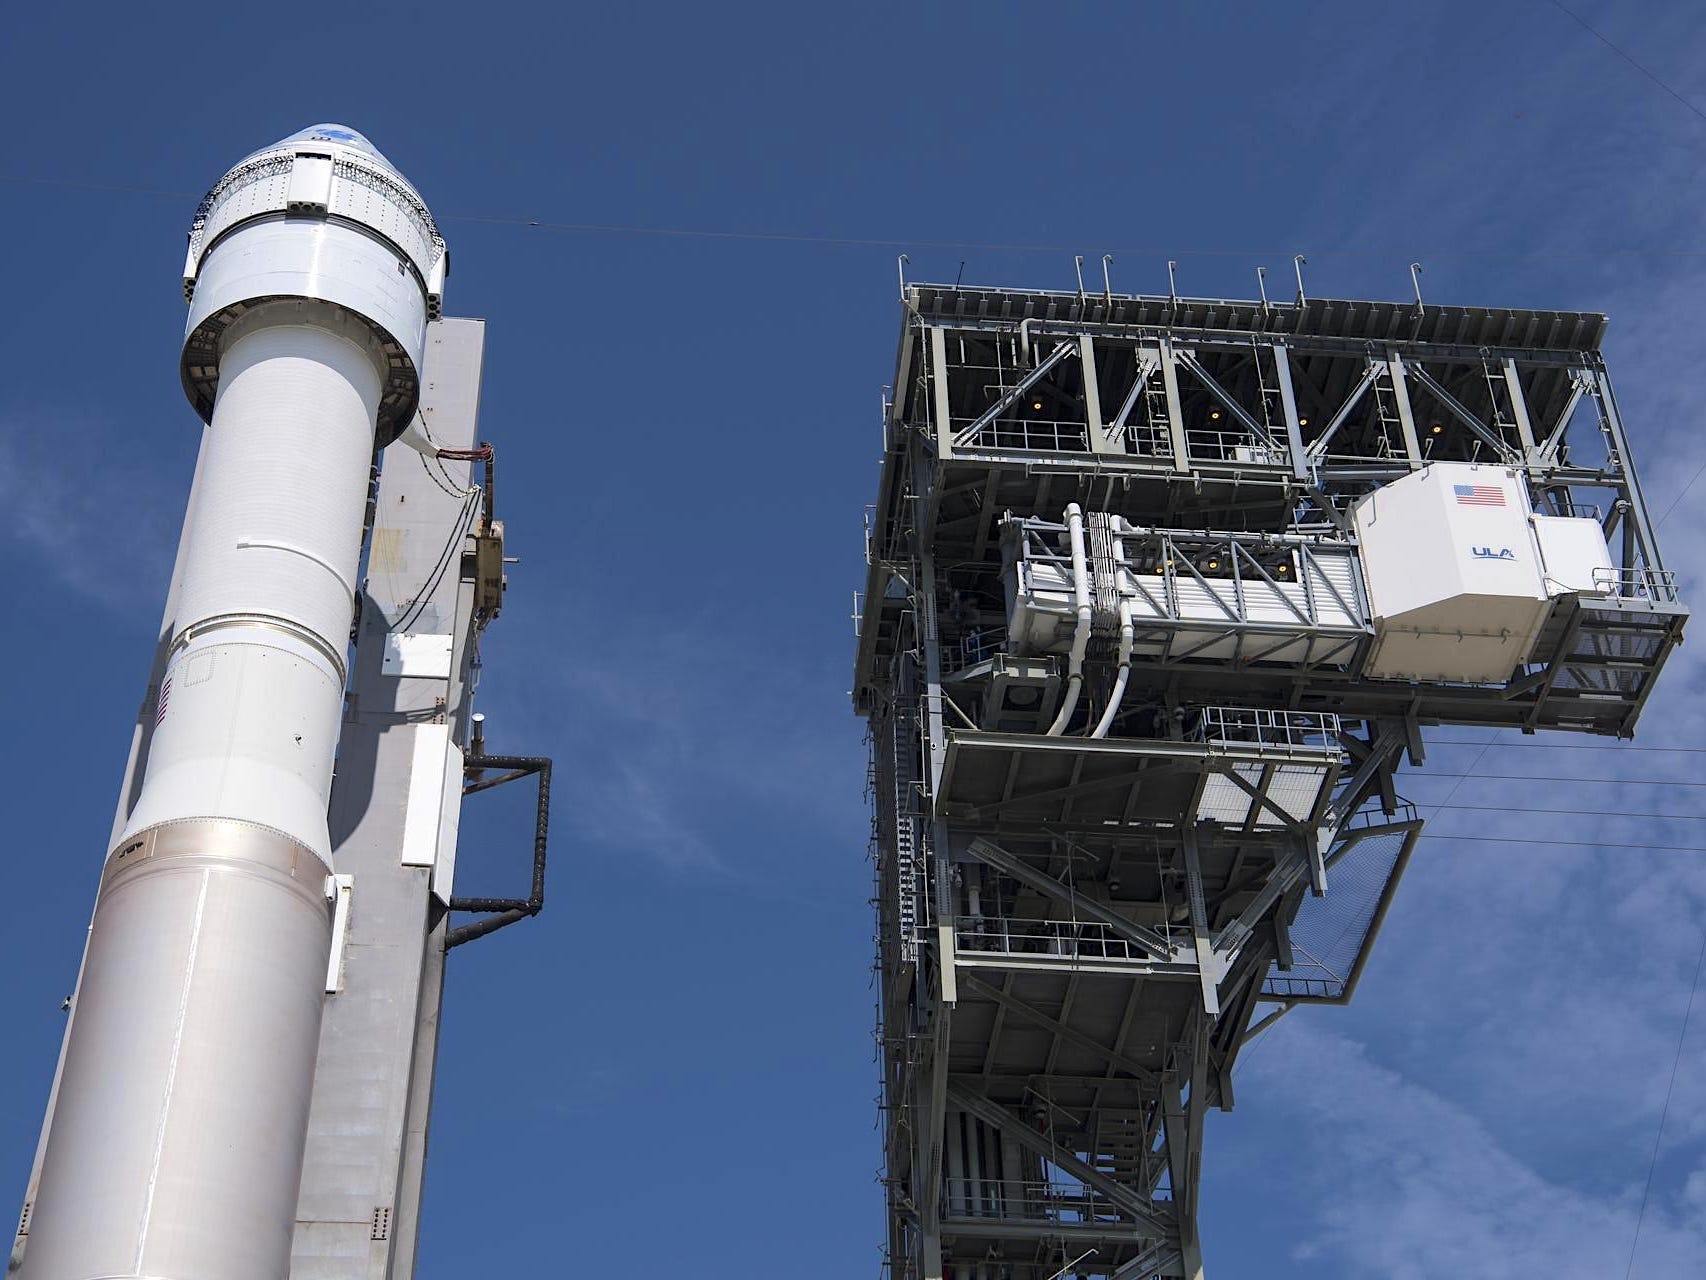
x=1139, y=662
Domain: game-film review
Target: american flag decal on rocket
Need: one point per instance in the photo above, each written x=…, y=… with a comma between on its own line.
x=1479, y=495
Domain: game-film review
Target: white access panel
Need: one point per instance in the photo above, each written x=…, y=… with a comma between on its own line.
x=449, y=826
x=1573, y=555
x=1295, y=789
x=1453, y=573
x=421, y=656
x=1040, y=607
x=424, y=811
x=310, y=183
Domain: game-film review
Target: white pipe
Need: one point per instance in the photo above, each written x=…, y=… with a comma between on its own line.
x=1081, y=633
x=1127, y=627
x=974, y=1164
x=958, y=1201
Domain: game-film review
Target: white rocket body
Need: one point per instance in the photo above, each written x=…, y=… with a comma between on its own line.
x=176, y=1144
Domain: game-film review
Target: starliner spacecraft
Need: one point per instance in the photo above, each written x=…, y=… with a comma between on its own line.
x=244, y=1083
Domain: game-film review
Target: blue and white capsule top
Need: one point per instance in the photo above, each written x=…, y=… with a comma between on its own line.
x=321, y=214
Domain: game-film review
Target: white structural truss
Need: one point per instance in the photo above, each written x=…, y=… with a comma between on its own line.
x=1161, y=590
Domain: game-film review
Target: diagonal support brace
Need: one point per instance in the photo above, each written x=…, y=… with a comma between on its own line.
x=1220, y=393
x=1136, y=1070
x=1208, y=964
x=1456, y=408
x=1146, y=940
x=999, y=1117
x=1012, y=394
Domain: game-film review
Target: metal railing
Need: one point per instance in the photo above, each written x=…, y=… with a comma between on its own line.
x=1066, y=1203
x=1070, y=939
x=981, y=645
x=1211, y=444
x=1637, y=584
x=1267, y=727
x=1230, y=577
x=1371, y=815
x=1026, y=431
x=1149, y=439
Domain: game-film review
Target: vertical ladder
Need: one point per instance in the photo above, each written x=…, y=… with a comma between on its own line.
x=1386, y=408
x=905, y=835
x=1157, y=422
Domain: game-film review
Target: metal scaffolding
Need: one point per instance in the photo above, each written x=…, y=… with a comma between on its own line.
x=1094, y=865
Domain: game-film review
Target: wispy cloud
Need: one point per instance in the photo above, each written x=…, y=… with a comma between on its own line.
x=1489, y=1106
x=91, y=504
x=1413, y=1186
x=706, y=745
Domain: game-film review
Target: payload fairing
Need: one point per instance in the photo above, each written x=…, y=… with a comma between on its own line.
x=177, y=1136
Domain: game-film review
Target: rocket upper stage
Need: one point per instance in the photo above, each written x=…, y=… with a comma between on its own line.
x=321, y=214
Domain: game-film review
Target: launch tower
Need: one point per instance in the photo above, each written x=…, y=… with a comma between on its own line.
x=1161, y=591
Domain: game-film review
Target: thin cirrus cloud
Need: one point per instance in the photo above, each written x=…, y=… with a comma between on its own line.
x=102, y=518
x=1411, y=1186
x=1490, y=1105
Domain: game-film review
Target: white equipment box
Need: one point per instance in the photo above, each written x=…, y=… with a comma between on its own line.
x=1456, y=579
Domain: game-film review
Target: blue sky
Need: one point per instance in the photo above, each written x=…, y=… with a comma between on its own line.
x=670, y=1072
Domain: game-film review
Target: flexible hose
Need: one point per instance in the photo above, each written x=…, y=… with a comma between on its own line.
x=1118, y=695
x=1081, y=633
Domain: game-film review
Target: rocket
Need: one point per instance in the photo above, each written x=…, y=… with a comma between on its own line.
x=176, y=1141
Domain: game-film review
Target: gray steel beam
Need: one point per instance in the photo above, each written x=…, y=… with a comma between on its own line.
x=1045, y=1229
x=1145, y=366
x=1519, y=409
x=1626, y=466
x=1207, y=964
x=1286, y=875
x=1175, y=411
x=1123, y=1198
x=930, y=1133
x=1299, y=343
x=1010, y=397
x=1111, y=1055
x=1220, y=393
x=1457, y=409
x=1095, y=432
x=1146, y=940
x=1288, y=407
x=1389, y=740
x=1184, y=1104
x=939, y=401
x=1157, y=1261
x=1406, y=418
x=1560, y=427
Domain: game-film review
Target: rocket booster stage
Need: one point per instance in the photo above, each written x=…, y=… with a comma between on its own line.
x=176, y=1141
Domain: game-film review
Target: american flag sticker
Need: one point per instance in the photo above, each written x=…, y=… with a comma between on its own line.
x=165, y=697
x=1479, y=495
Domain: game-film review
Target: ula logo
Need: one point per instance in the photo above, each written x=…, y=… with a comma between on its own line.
x=1487, y=553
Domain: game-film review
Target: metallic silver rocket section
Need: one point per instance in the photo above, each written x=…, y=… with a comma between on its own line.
x=196, y=1027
